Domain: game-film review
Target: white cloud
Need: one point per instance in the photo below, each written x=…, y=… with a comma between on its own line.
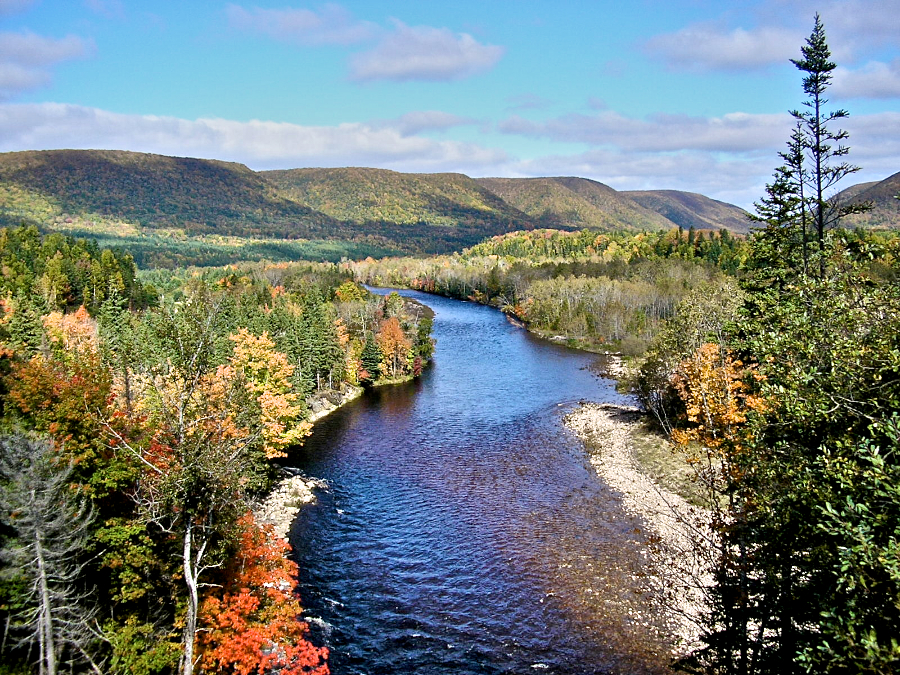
x=727, y=179
x=703, y=47
x=15, y=78
x=29, y=49
x=331, y=25
x=855, y=26
x=874, y=80
x=110, y=9
x=730, y=158
x=259, y=144
x=424, y=53
x=424, y=120
x=734, y=132
x=26, y=59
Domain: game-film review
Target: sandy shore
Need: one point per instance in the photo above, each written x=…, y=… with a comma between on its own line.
x=672, y=525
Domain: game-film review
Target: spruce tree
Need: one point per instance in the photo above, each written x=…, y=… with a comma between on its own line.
x=822, y=167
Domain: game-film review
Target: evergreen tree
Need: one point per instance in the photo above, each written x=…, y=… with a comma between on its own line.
x=370, y=361
x=823, y=147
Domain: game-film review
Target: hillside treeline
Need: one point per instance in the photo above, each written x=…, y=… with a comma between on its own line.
x=138, y=429
x=598, y=290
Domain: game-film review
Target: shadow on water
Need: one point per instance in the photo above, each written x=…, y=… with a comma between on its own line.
x=463, y=530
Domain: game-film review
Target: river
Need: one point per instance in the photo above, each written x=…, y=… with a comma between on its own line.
x=463, y=530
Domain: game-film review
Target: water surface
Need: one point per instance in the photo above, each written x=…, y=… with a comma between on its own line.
x=463, y=530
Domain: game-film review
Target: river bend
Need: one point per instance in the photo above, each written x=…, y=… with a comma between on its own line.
x=463, y=530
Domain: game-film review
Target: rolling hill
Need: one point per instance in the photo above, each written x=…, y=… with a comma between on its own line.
x=566, y=203
x=882, y=196
x=175, y=210
x=689, y=209
x=154, y=191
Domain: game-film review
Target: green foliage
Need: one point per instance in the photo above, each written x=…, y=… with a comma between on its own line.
x=370, y=361
x=807, y=576
x=140, y=649
x=170, y=212
x=64, y=272
x=702, y=316
x=600, y=291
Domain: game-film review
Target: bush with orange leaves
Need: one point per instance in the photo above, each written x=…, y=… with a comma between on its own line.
x=715, y=390
x=251, y=622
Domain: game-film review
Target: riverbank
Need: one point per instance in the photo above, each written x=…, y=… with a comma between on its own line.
x=612, y=435
x=293, y=490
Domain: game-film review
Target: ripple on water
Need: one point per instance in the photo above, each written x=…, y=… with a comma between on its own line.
x=463, y=531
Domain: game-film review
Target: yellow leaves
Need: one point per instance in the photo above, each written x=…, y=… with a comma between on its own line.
x=713, y=386
x=75, y=332
x=266, y=374
x=256, y=359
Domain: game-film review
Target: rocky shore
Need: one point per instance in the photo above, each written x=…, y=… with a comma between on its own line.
x=673, y=528
x=283, y=503
x=294, y=490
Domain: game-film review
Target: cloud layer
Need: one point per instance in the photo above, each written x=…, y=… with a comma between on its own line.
x=26, y=60
x=259, y=144
x=424, y=53
x=703, y=47
x=332, y=25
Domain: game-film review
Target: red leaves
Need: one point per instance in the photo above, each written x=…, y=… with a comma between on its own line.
x=252, y=623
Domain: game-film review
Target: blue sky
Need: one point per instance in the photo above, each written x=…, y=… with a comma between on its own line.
x=690, y=95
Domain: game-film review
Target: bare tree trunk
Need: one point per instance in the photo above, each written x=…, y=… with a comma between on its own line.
x=190, y=621
x=45, y=610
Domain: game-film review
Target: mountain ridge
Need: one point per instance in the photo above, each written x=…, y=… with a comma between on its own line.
x=147, y=200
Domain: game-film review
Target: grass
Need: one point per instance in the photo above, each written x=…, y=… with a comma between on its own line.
x=658, y=458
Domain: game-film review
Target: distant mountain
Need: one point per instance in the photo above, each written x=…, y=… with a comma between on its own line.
x=197, y=195
x=574, y=203
x=885, y=211
x=361, y=195
x=173, y=210
x=688, y=209
x=441, y=207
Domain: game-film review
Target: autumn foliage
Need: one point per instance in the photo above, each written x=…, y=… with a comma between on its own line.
x=252, y=624
x=266, y=374
x=714, y=388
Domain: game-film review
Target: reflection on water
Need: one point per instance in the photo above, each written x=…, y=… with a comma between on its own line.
x=463, y=531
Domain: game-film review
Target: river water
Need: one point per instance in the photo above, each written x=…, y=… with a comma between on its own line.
x=462, y=530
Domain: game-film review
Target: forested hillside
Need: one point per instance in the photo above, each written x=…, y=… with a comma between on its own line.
x=881, y=197
x=575, y=203
x=171, y=211
x=377, y=195
x=688, y=209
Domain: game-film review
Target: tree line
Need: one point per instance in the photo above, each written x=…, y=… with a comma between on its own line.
x=596, y=290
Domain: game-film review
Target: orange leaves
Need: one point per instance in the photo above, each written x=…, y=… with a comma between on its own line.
x=61, y=399
x=393, y=344
x=75, y=332
x=717, y=399
x=252, y=624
